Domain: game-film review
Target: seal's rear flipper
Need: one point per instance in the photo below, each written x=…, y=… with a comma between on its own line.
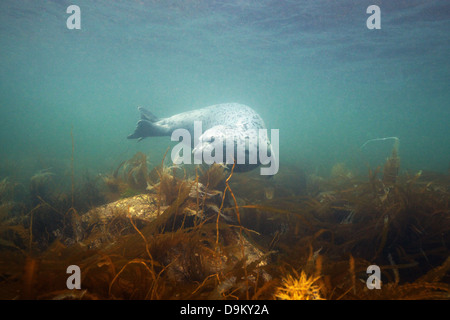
x=143, y=129
x=147, y=115
x=148, y=126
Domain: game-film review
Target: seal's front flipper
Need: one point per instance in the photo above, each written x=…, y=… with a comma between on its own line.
x=269, y=187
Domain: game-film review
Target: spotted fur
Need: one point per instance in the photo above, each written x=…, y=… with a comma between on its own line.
x=228, y=120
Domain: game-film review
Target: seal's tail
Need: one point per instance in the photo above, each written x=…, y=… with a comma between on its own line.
x=147, y=126
x=147, y=115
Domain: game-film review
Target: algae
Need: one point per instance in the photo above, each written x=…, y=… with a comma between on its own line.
x=170, y=233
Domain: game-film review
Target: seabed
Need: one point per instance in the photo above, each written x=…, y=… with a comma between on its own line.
x=210, y=233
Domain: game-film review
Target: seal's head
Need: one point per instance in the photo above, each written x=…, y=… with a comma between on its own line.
x=214, y=140
x=227, y=145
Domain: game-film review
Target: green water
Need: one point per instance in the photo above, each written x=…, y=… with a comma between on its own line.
x=312, y=69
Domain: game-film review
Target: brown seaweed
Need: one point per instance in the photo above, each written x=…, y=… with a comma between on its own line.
x=214, y=235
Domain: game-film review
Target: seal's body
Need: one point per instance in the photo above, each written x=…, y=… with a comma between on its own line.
x=233, y=121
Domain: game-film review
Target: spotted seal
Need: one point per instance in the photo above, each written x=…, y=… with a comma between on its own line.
x=236, y=122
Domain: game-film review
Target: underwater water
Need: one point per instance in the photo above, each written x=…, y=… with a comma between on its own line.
x=312, y=69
